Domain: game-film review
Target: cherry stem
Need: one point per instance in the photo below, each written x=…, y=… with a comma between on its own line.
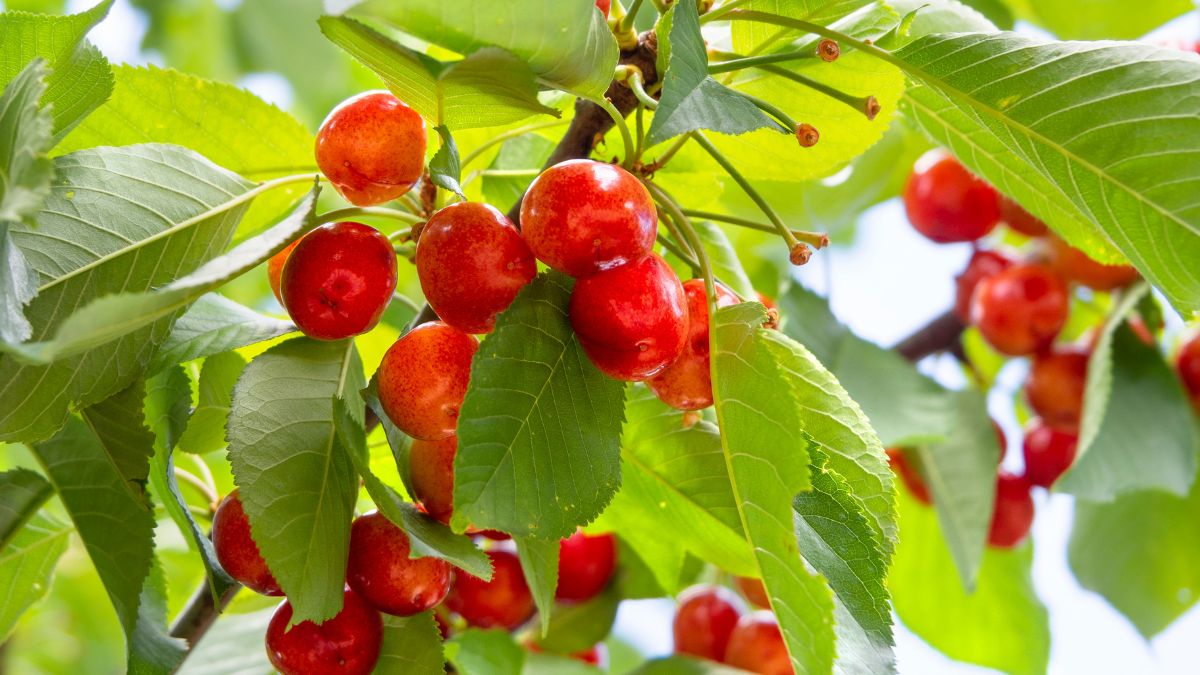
x=689, y=233
x=780, y=227
x=739, y=62
x=202, y=487
x=676, y=250
x=772, y=110
x=619, y=120
x=369, y=212
x=867, y=105
x=507, y=135
x=666, y=156
x=626, y=23
x=814, y=239
x=816, y=29
x=639, y=89
x=716, y=14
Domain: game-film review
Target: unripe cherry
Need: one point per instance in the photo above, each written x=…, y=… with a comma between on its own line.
x=686, y=384
x=982, y=265
x=372, y=148
x=947, y=203
x=380, y=570
x=1056, y=384
x=1020, y=310
x=431, y=468
x=504, y=602
x=1020, y=220
x=1013, y=512
x=757, y=645
x=1049, y=452
x=585, y=564
x=1075, y=265
x=236, y=550
x=704, y=621
x=423, y=379
x=347, y=644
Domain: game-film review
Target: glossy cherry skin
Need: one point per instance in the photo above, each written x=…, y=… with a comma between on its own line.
x=423, y=379
x=347, y=644
x=585, y=564
x=338, y=280
x=757, y=645
x=504, y=602
x=382, y=573
x=705, y=620
x=431, y=468
x=1020, y=310
x=1049, y=452
x=982, y=265
x=1013, y=514
x=372, y=148
x=947, y=203
x=1020, y=220
x=686, y=384
x=236, y=550
x=632, y=320
x=472, y=262
x=581, y=217
x=1054, y=389
x=753, y=590
x=909, y=474
x=1075, y=265
x=1187, y=363
x=275, y=269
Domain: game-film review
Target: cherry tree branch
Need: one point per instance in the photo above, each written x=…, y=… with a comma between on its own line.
x=941, y=334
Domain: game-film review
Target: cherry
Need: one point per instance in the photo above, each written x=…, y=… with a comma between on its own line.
x=1075, y=265
x=982, y=265
x=1188, y=365
x=1013, y=513
x=704, y=621
x=338, y=280
x=1020, y=310
x=581, y=217
x=585, y=564
x=504, y=602
x=431, y=467
x=753, y=590
x=423, y=379
x=372, y=148
x=1055, y=387
x=382, y=573
x=275, y=269
x=686, y=384
x=236, y=550
x=1020, y=220
x=757, y=645
x=1049, y=452
x=472, y=262
x=947, y=203
x=604, y=6
x=632, y=320
x=347, y=644
x=911, y=477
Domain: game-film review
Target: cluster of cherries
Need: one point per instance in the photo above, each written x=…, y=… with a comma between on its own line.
x=1020, y=307
x=712, y=622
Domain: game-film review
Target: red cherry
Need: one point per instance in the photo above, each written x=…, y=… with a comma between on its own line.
x=947, y=203
x=911, y=477
x=372, y=148
x=686, y=384
x=632, y=320
x=347, y=644
x=1075, y=265
x=1020, y=310
x=504, y=602
x=1013, y=514
x=423, y=379
x=236, y=550
x=1020, y=220
x=1188, y=365
x=338, y=280
x=1049, y=452
x=472, y=262
x=757, y=645
x=753, y=590
x=704, y=621
x=443, y=625
x=982, y=265
x=1055, y=387
x=431, y=467
x=585, y=564
x=275, y=269
x=381, y=571
x=581, y=217
x=604, y=6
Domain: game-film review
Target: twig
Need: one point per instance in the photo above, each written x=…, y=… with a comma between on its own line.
x=941, y=334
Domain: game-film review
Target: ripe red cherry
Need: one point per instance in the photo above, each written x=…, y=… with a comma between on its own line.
x=757, y=645
x=1188, y=365
x=911, y=477
x=1020, y=220
x=1075, y=265
x=581, y=217
x=275, y=270
x=338, y=280
x=347, y=644
x=1049, y=452
x=431, y=468
x=236, y=550
x=632, y=320
x=472, y=262
x=982, y=265
x=686, y=384
x=1057, y=380
x=504, y=602
x=753, y=590
x=1013, y=513
x=585, y=564
x=372, y=148
x=947, y=203
x=423, y=379
x=704, y=621
x=1020, y=310
x=381, y=572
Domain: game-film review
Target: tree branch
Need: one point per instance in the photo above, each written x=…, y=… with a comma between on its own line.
x=939, y=335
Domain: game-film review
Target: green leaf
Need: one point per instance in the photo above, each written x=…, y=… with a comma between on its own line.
x=1001, y=625
x=80, y=79
x=485, y=652
x=167, y=405
x=445, y=169
x=120, y=426
x=539, y=564
x=556, y=664
x=233, y=646
x=925, y=17
x=529, y=151
x=27, y=565
x=1100, y=19
x=692, y=100
x=768, y=456
x=296, y=481
x=1141, y=554
x=399, y=442
x=206, y=428
x=22, y=493
x=212, y=325
x=725, y=263
x=488, y=88
x=1058, y=127
x=117, y=220
x=577, y=627
x=151, y=649
x=231, y=127
x=539, y=431
x=754, y=38
x=567, y=44
x=684, y=665
x=996, y=11
x=411, y=646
